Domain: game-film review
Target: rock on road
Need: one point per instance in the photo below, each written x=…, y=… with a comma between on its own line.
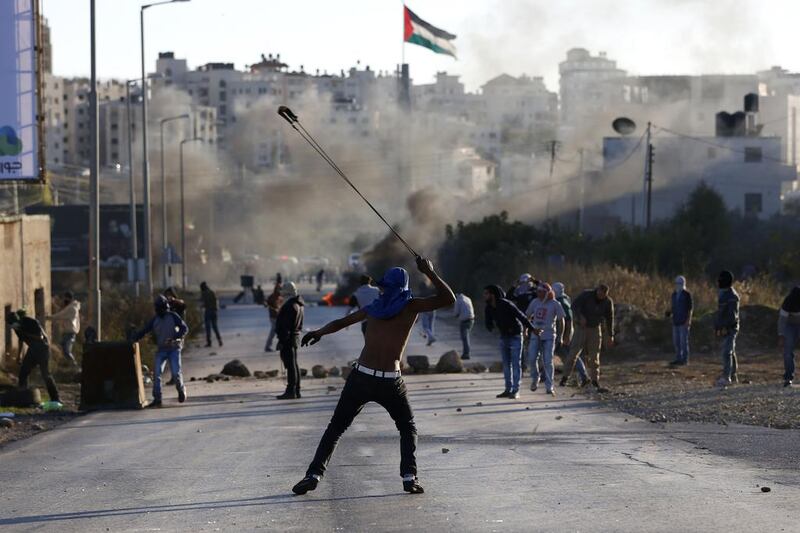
x=226, y=459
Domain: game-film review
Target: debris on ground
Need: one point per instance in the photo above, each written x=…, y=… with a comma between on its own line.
x=445, y=450
x=236, y=368
x=419, y=363
x=450, y=363
x=319, y=371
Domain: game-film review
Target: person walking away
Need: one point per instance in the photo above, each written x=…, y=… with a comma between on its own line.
x=320, y=279
x=681, y=314
x=789, y=332
x=428, y=318
x=726, y=327
x=169, y=330
x=31, y=334
x=273, y=303
x=364, y=295
x=288, y=327
x=564, y=335
x=210, y=311
x=465, y=314
x=510, y=322
x=547, y=316
x=258, y=295
x=68, y=319
x=376, y=376
x=593, y=311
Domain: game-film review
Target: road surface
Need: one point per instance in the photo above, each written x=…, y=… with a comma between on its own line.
x=226, y=460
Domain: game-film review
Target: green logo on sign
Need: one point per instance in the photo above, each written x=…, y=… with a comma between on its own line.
x=10, y=144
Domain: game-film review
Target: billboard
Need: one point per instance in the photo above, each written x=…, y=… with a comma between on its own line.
x=20, y=155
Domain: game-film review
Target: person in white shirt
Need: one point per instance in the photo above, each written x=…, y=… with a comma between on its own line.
x=69, y=320
x=547, y=316
x=465, y=313
x=362, y=297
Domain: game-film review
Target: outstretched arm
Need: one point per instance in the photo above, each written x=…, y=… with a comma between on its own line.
x=314, y=337
x=444, y=296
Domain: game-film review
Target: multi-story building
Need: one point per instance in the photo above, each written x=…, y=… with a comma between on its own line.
x=588, y=83
x=55, y=122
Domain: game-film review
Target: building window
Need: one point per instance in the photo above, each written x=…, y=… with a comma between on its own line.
x=222, y=84
x=712, y=152
x=752, y=154
x=752, y=203
x=222, y=96
x=114, y=156
x=223, y=110
x=114, y=140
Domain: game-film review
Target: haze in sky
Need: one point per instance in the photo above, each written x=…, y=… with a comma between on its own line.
x=494, y=36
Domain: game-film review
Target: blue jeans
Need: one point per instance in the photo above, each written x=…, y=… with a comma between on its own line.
x=271, y=335
x=729, y=363
x=511, y=353
x=67, y=342
x=543, y=348
x=465, y=327
x=428, y=325
x=680, y=339
x=791, y=336
x=174, y=359
x=210, y=319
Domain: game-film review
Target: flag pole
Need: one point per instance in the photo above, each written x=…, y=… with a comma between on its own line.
x=403, y=35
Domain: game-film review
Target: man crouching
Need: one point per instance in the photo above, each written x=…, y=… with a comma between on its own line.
x=376, y=375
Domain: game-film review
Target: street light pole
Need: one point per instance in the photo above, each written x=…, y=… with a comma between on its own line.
x=148, y=244
x=184, y=277
x=134, y=228
x=94, y=189
x=164, y=235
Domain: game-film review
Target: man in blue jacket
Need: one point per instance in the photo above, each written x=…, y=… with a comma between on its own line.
x=169, y=329
x=681, y=313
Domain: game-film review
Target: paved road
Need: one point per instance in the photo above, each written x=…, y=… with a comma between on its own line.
x=227, y=459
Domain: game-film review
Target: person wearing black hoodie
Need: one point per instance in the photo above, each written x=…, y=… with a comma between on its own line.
x=30, y=332
x=510, y=322
x=726, y=326
x=288, y=326
x=789, y=332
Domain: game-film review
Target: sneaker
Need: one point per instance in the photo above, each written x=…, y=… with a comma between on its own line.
x=551, y=392
x=534, y=386
x=413, y=487
x=208, y=344
x=465, y=357
x=513, y=395
x=676, y=362
x=563, y=382
x=585, y=382
x=220, y=343
x=787, y=383
x=504, y=394
x=267, y=349
x=723, y=382
x=431, y=341
x=182, y=395
x=155, y=403
x=286, y=396
x=598, y=388
x=306, y=484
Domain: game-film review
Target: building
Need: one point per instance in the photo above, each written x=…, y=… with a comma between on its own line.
x=587, y=84
x=748, y=172
x=24, y=272
x=56, y=137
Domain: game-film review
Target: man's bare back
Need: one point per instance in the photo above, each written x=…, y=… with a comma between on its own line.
x=386, y=339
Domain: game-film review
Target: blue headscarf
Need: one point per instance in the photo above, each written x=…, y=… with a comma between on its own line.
x=394, y=297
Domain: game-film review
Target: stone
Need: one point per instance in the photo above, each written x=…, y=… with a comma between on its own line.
x=450, y=363
x=21, y=397
x=766, y=489
x=475, y=368
x=420, y=363
x=458, y=409
x=192, y=378
x=6, y=423
x=38, y=427
x=303, y=372
x=496, y=366
x=271, y=373
x=346, y=371
x=319, y=371
x=331, y=388
x=210, y=379
x=236, y=368
x=259, y=374
x=334, y=371
x=445, y=450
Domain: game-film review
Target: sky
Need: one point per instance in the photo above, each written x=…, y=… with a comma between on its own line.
x=494, y=36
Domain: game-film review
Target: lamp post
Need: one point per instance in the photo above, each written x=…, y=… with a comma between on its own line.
x=134, y=236
x=183, y=214
x=94, y=189
x=164, y=235
x=148, y=247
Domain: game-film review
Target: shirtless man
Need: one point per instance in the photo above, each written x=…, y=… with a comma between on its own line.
x=376, y=376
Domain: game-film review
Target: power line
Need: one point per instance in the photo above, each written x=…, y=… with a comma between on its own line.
x=714, y=144
x=629, y=155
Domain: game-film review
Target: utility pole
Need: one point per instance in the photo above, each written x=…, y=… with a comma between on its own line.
x=645, y=203
x=651, y=155
x=581, y=192
x=134, y=228
x=94, y=189
x=553, y=147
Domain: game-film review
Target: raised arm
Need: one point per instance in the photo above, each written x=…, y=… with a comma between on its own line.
x=147, y=329
x=444, y=296
x=314, y=337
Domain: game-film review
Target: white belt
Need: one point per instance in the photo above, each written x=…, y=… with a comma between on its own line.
x=377, y=373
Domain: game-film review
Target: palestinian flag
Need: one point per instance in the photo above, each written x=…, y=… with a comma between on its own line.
x=419, y=32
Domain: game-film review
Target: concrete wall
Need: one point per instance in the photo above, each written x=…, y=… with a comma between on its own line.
x=24, y=268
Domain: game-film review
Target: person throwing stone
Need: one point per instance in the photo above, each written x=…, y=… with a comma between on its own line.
x=376, y=375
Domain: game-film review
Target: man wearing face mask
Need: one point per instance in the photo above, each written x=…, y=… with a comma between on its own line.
x=681, y=314
x=726, y=327
x=288, y=326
